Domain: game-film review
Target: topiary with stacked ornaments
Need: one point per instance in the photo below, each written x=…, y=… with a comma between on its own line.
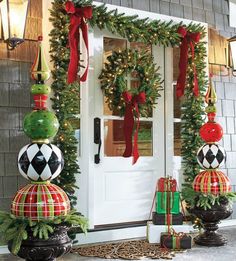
x=36, y=229
x=211, y=187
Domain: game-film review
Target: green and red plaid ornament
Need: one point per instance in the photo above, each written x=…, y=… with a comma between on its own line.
x=211, y=181
x=40, y=201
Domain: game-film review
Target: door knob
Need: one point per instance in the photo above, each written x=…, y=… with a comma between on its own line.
x=97, y=138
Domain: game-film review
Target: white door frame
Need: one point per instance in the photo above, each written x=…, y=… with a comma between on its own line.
x=86, y=159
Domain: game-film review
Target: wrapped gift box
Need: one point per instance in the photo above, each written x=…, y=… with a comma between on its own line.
x=176, y=241
x=154, y=231
x=162, y=219
x=166, y=184
x=165, y=200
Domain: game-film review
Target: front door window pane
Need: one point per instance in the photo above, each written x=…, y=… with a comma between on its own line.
x=114, y=142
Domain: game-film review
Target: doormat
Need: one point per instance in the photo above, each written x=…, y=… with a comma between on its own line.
x=128, y=250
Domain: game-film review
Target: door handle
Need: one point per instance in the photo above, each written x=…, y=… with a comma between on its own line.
x=97, y=138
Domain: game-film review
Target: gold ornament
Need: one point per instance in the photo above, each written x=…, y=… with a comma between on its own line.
x=211, y=97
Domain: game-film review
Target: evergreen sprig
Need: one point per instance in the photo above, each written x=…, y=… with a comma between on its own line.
x=135, y=30
x=16, y=229
x=205, y=201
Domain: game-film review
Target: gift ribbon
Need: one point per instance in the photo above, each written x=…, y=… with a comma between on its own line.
x=77, y=21
x=176, y=239
x=132, y=103
x=188, y=41
x=167, y=202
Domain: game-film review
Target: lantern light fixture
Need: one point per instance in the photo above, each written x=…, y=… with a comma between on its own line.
x=232, y=54
x=14, y=15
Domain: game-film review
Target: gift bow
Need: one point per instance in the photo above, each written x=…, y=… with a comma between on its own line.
x=77, y=21
x=188, y=40
x=176, y=239
x=132, y=103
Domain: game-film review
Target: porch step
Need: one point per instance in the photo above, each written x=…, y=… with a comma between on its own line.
x=154, y=231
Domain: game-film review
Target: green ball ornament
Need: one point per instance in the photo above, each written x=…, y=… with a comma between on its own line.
x=40, y=125
x=40, y=89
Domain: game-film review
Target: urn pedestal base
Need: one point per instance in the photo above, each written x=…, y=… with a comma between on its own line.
x=210, y=219
x=210, y=237
x=35, y=249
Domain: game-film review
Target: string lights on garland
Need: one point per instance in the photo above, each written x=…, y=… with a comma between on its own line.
x=136, y=30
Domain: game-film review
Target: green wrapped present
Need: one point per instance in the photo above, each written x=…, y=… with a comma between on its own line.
x=167, y=202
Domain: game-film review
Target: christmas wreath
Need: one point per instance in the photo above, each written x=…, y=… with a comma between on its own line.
x=136, y=100
x=113, y=81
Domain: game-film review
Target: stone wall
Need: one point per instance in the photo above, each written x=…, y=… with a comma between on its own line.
x=15, y=101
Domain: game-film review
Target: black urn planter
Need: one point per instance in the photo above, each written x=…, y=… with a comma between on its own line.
x=210, y=219
x=35, y=249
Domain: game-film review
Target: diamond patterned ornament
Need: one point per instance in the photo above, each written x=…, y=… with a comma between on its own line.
x=211, y=182
x=211, y=156
x=40, y=201
x=40, y=162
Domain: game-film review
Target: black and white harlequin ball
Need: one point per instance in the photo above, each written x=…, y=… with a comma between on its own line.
x=211, y=156
x=40, y=162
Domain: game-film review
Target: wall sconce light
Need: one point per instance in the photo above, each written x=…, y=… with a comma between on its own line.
x=232, y=54
x=14, y=14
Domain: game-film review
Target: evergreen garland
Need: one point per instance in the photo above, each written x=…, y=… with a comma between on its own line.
x=137, y=30
x=192, y=117
x=65, y=101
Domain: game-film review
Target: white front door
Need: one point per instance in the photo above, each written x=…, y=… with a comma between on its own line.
x=115, y=191
x=123, y=192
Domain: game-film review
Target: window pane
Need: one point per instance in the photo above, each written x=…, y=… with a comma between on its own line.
x=177, y=105
x=111, y=44
x=76, y=125
x=114, y=143
x=141, y=47
x=176, y=57
x=177, y=139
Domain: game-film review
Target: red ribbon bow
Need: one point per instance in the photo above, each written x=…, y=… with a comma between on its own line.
x=188, y=40
x=132, y=103
x=77, y=21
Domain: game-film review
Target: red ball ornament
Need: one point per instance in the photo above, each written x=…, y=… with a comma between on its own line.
x=40, y=201
x=211, y=182
x=211, y=132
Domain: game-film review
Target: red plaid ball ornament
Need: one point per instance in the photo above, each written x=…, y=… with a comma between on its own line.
x=211, y=182
x=211, y=132
x=40, y=201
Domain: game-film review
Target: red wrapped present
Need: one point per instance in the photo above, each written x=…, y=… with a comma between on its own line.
x=166, y=184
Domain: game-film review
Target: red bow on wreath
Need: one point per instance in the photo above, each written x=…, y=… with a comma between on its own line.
x=188, y=41
x=77, y=22
x=132, y=103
